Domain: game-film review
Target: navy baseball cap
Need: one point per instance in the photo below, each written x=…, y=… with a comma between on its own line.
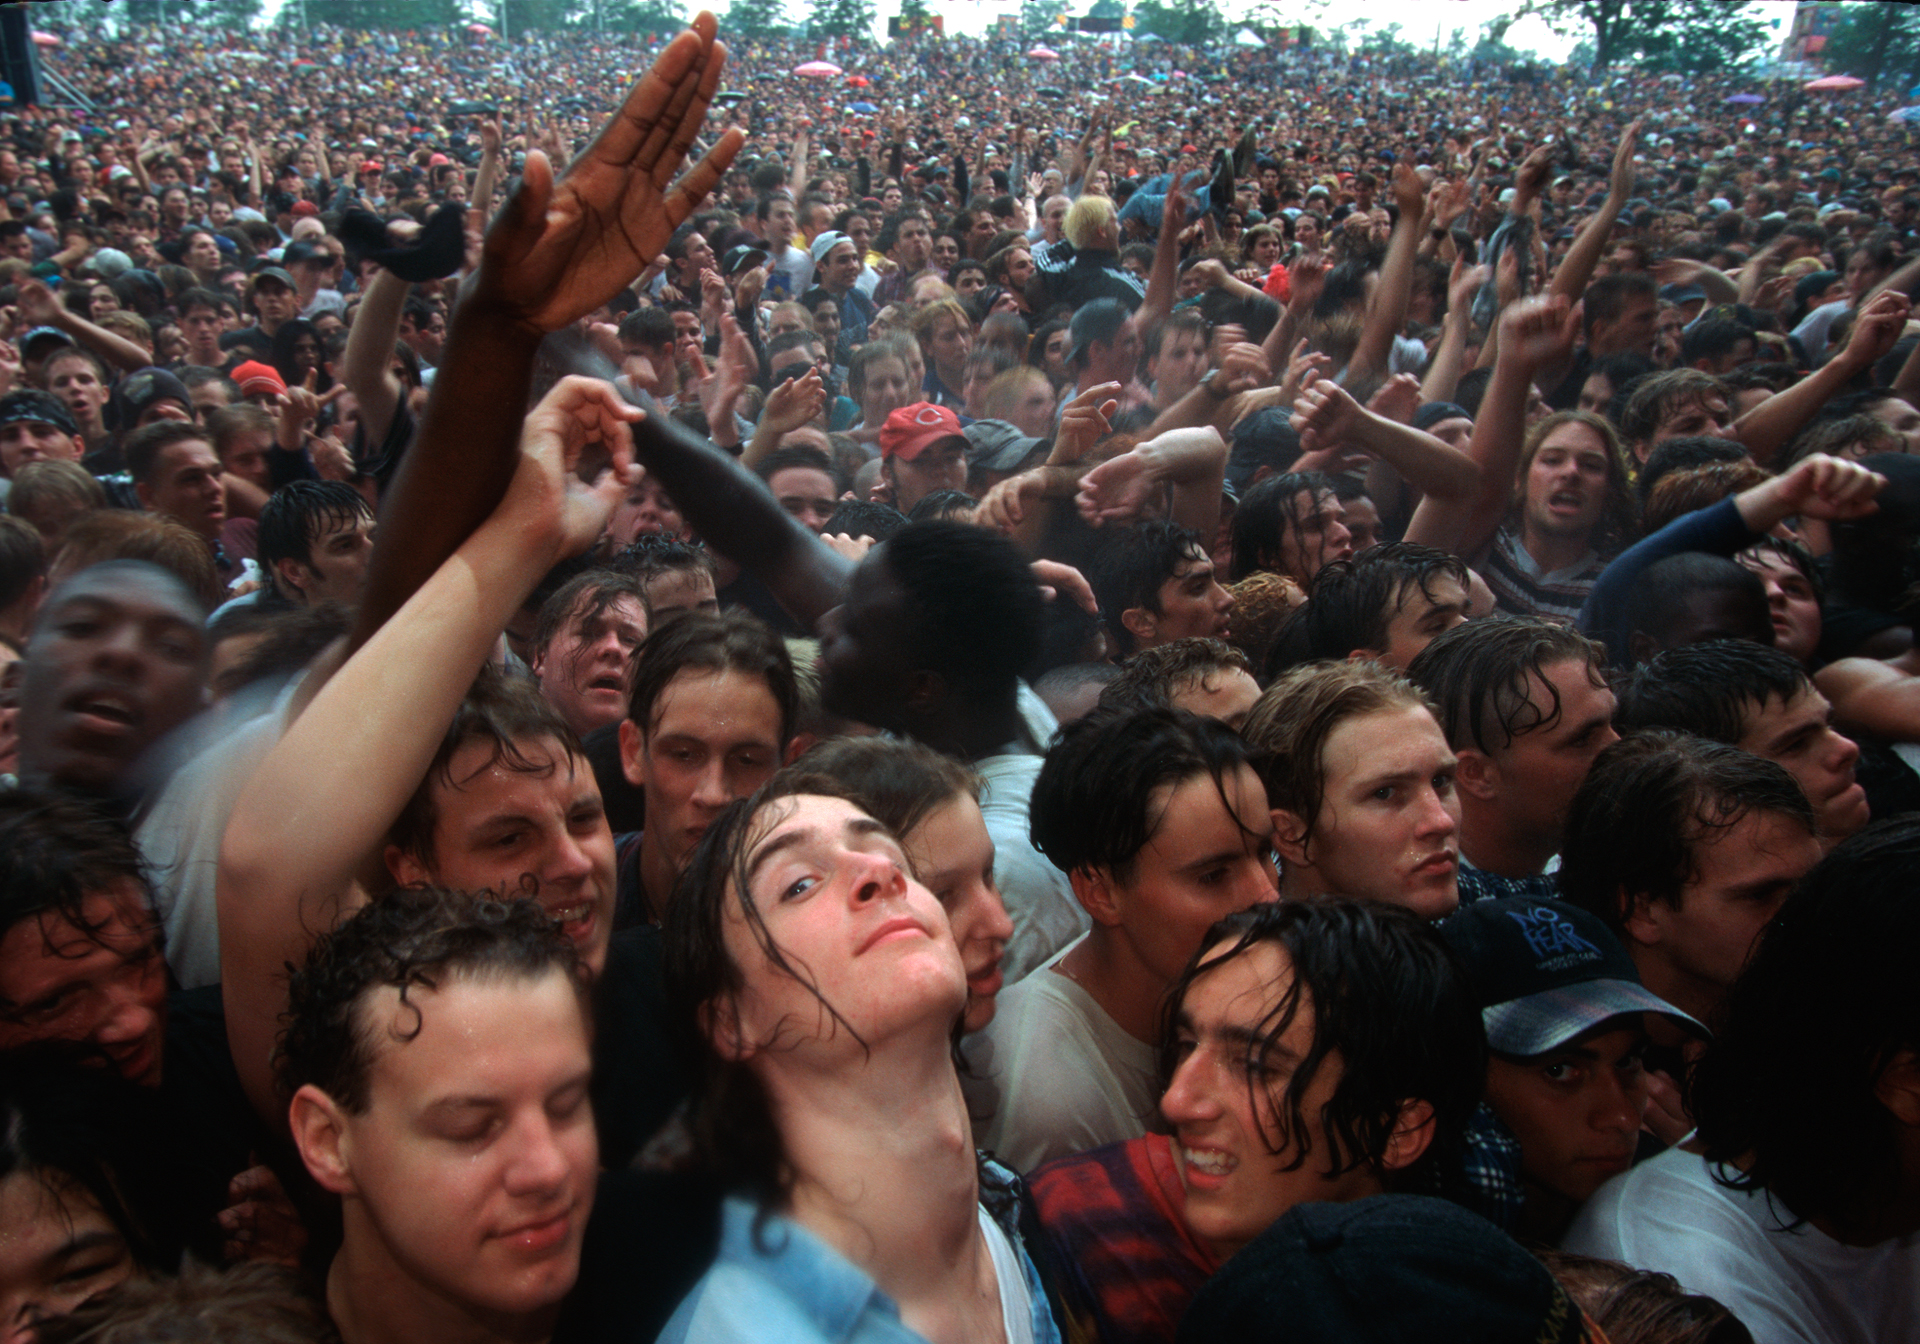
x=1544, y=972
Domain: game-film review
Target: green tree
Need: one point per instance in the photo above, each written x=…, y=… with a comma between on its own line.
x=1687, y=35
x=1872, y=40
x=1039, y=18
x=642, y=16
x=757, y=18
x=841, y=18
x=1189, y=22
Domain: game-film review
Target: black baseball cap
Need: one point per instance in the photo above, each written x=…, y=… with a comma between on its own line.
x=1393, y=1267
x=1545, y=972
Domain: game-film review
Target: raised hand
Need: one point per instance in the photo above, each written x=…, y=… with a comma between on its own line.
x=1620, y=182
x=1324, y=415
x=558, y=250
x=1876, y=330
x=1819, y=486
x=1538, y=332
x=1086, y=420
x=795, y=402
x=547, y=496
x=1397, y=399
x=1004, y=506
x=1118, y=490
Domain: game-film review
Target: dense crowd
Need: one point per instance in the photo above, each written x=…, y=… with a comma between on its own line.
x=1139, y=694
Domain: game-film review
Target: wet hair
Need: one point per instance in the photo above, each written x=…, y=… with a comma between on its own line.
x=732, y=1119
x=728, y=641
x=1709, y=689
x=1684, y=454
x=1683, y=492
x=1712, y=338
x=1268, y=516
x=973, y=610
x=1827, y=1002
x=1642, y=1306
x=252, y=1301
x=1659, y=394
x=288, y=640
x=1849, y=436
x=652, y=555
x=1351, y=603
x=1095, y=804
x=953, y=504
x=898, y=783
x=1389, y=1007
x=1647, y=801
x=1130, y=566
x=1153, y=677
x=56, y=851
x=1290, y=725
x=865, y=518
x=581, y=598
x=1480, y=677
x=299, y=513
x=508, y=715
x=412, y=939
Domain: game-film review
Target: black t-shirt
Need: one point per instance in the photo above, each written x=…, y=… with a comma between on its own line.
x=216, y=1133
x=652, y=1235
x=639, y=1078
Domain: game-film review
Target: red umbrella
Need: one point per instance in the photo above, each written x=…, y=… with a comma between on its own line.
x=859, y=81
x=1836, y=82
x=41, y=39
x=480, y=30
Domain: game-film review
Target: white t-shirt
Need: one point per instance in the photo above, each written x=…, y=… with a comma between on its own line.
x=1052, y=1074
x=1787, y=1284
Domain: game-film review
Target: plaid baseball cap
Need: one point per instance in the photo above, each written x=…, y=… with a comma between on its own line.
x=31, y=405
x=1544, y=972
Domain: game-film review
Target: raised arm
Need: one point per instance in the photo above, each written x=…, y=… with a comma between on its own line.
x=557, y=251
x=324, y=798
x=1387, y=313
x=1576, y=268
x=1326, y=415
x=486, y=178
x=38, y=308
x=1533, y=332
x=1768, y=427
x=1187, y=465
x=367, y=369
x=1162, y=280
x=1443, y=373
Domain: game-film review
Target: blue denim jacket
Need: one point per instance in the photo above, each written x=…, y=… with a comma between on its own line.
x=786, y=1286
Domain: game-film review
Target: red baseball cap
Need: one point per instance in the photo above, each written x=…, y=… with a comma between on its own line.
x=253, y=376
x=911, y=430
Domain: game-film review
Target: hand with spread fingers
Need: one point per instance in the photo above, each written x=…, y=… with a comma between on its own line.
x=560, y=249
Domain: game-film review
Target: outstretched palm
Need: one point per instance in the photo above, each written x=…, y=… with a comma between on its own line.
x=561, y=249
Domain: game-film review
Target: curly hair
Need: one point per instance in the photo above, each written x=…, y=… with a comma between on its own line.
x=415, y=938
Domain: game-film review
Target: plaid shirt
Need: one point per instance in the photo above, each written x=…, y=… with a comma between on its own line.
x=1114, y=1242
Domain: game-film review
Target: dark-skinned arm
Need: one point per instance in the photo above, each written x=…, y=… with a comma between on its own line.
x=558, y=250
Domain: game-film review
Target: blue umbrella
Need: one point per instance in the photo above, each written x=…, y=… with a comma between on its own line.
x=863, y=108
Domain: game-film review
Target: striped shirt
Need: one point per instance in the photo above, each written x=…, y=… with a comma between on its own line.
x=1521, y=588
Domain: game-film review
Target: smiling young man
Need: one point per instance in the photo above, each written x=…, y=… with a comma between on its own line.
x=1159, y=821
x=1566, y=1021
x=1313, y=1052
